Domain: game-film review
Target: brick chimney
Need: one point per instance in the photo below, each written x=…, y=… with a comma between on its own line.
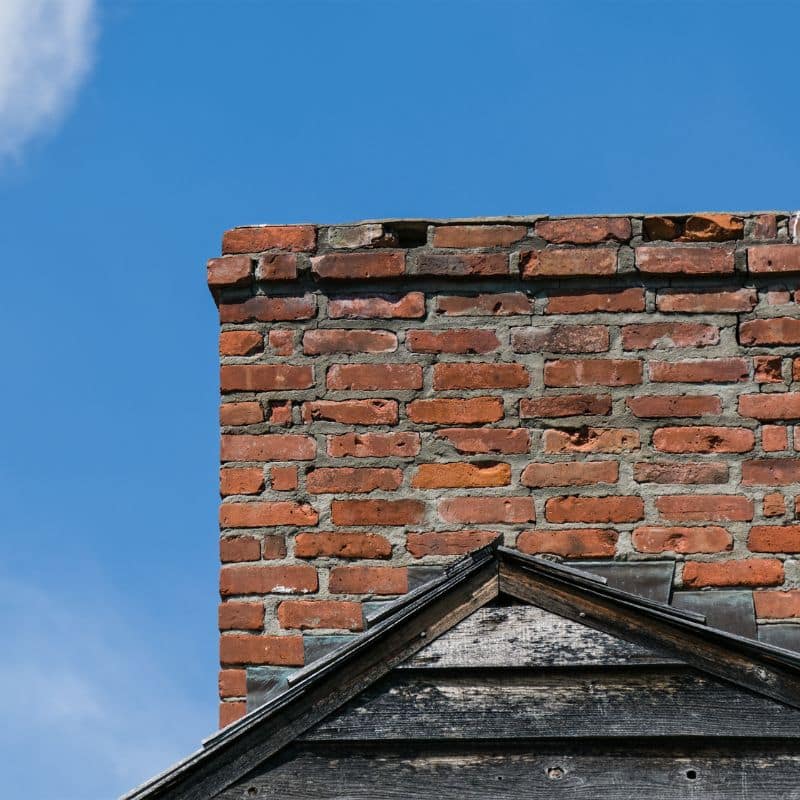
x=397, y=393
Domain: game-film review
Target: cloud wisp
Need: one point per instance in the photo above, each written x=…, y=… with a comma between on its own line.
x=45, y=54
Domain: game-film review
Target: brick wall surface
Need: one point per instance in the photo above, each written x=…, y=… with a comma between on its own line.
x=397, y=393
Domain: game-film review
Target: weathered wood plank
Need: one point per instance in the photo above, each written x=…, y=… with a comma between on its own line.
x=524, y=776
x=526, y=636
x=463, y=705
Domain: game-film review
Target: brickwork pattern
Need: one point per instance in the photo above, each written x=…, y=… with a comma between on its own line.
x=397, y=393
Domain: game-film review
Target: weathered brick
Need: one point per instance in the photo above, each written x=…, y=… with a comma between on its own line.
x=264, y=377
x=313, y=614
x=366, y=234
x=265, y=579
x=341, y=544
x=766, y=332
x=240, y=413
x=359, y=266
x=247, y=480
x=241, y=616
x=459, y=265
x=258, y=515
x=582, y=302
x=246, y=648
x=502, y=304
x=615, y=508
x=592, y=372
x=270, y=309
x=461, y=475
x=703, y=439
x=406, y=306
x=273, y=546
x=487, y=440
x=371, y=377
x=783, y=406
x=578, y=543
x=655, y=405
x=773, y=505
x=771, y=258
x=377, y=512
x=680, y=472
x=568, y=262
x=268, y=447
x=654, y=539
x=744, y=572
x=569, y=473
x=475, y=375
x=650, y=335
x=374, y=445
x=712, y=228
x=584, y=230
x=591, y=440
x=368, y=580
x=771, y=472
x=774, y=438
x=354, y=480
x=466, y=411
x=229, y=271
x=319, y=342
x=700, y=370
x=281, y=342
x=765, y=226
x=251, y=239
x=276, y=267
x=565, y=405
x=232, y=683
x=483, y=510
x=456, y=340
x=768, y=369
x=239, y=548
x=659, y=227
x=283, y=479
x=477, y=235
x=352, y=412
x=711, y=301
x=447, y=543
x=561, y=339
x=705, y=507
x=777, y=605
x=774, y=539
x=240, y=343
x=697, y=260
x=231, y=711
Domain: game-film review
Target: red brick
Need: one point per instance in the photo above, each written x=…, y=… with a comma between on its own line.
x=655, y=406
x=230, y=271
x=774, y=539
x=584, y=230
x=712, y=228
x=280, y=412
x=768, y=369
x=247, y=480
x=711, y=539
x=482, y=510
x=581, y=302
x=774, y=331
x=377, y=512
x=374, y=445
x=368, y=580
x=765, y=226
x=274, y=546
x=657, y=227
x=650, y=335
x=342, y=544
x=270, y=309
x=616, y=508
x=456, y=410
x=706, y=302
x=281, y=342
x=698, y=260
x=277, y=267
x=777, y=297
x=783, y=405
x=477, y=235
x=239, y=548
x=771, y=472
x=319, y=342
x=370, y=377
x=565, y=405
x=777, y=605
x=487, y=440
x=352, y=412
x=456, y=340
x=568, y=262
x=500, y=304
x=333, y=480
x=406, y=306
x=264, y=579
x=258, y=515
x=311, y=614
x=264, y=377
x=231, y=711
x=268, y=447
x=240, y=343
x=240, y=413
x=703, y=439
x=796, y=367
x=561, y=339
x=269, y=237
x=700, y=370
x=774, y=438
x=591, y=440
x=461, y=475
x=746, y=572
x=580, y=543
x=771, y=258
x=475, y=375
x=359, y=266
x=283, y=479
x=245, y=648
x=459, y=265
x=773, y=505
x=705, y=507
x=241, y=616
x=570, y=473
x=681, y=472
x=447, y=543
x=592, y=372
x=232, y=683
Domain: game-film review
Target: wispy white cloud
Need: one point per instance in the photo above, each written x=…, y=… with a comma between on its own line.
x=45, y=54
x=88, y=712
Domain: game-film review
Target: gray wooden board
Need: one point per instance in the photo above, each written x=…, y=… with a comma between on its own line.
x=526, y=636
x=630, y=775
x=508, y=704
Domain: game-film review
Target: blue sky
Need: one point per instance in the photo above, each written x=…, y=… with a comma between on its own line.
x=165, y=123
